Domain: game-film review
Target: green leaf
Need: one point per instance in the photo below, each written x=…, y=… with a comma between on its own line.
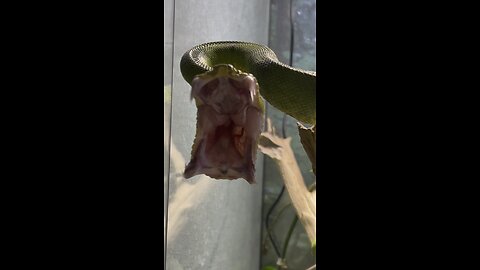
x=269, y=267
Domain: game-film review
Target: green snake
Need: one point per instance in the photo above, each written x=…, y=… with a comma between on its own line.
x=228, y=82
x=289, y=89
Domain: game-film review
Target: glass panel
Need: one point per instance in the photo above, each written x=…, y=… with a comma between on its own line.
x=299, y=255
x=167, y=82
x=212, y=224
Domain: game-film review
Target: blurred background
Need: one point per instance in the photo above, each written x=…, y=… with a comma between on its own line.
x=214, y=224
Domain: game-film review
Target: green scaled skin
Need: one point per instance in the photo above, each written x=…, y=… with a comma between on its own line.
x=289, y=89
x=229, y=122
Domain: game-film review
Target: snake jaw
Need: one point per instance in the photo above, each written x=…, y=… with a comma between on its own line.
x=229, y=122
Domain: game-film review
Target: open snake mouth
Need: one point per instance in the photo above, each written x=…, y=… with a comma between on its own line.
x=229, y=122
x=222, y=154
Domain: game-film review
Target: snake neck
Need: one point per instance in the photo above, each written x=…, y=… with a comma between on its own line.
x=242, y=55
x=289, y=89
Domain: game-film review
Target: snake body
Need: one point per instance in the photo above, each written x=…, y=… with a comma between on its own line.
x=289, y=89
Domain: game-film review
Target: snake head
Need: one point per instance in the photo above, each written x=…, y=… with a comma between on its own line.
x=225, y=89
x=229, y=121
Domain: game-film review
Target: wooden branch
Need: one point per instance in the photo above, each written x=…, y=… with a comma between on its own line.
x=280, y=150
